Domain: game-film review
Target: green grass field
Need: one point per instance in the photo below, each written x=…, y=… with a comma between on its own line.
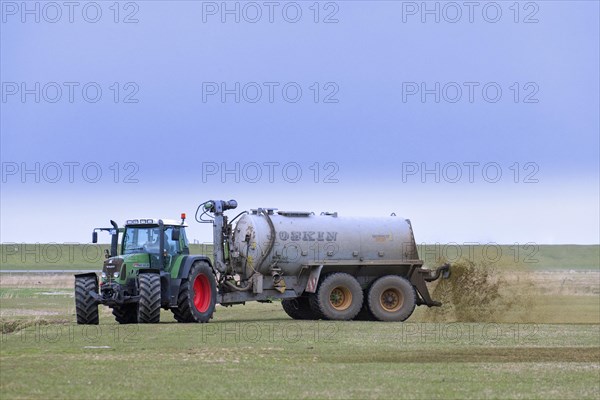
x=546, y=346
x=255, y=351
x=40, y=256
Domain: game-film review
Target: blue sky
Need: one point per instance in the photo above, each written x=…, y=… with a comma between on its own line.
x=515, y=94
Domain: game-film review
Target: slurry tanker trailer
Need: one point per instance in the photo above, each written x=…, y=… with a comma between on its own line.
x=321, y=266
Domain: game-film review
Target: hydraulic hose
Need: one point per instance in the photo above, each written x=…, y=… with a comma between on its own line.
x=239, y=288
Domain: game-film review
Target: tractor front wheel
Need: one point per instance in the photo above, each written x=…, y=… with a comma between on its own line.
x=149, y=305
x=86, y=306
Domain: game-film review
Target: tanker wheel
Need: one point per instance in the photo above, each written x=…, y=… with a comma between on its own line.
x=339, y=297
x=299, y=308
x=197, y=295
x=392, y=298
x=314, y=306
x=86, y=306
x=365, y=314
x=149, y=305
x=126, y=313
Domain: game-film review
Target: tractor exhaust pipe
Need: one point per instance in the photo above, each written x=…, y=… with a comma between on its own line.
x=114, y=240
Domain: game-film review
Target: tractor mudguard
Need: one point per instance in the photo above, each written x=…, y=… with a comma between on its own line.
x=86, y=274
x=90, y=274
x=184, y=271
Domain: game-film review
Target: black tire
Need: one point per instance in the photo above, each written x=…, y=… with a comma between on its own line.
x=86, y=306
x=182, y=312
x=299, y=308
x=392, y=298
x=339, y=297
x=126, y=313
x=197, y=295
x=314, y=306
x=365, y=314
x=149, y=305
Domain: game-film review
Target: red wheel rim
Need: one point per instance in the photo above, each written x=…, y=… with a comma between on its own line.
x=201, y=293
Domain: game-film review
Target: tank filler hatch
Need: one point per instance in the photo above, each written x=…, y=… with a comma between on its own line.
x=258, y=210
x=295, y=213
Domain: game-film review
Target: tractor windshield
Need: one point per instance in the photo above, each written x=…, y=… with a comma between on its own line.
x=145, y=239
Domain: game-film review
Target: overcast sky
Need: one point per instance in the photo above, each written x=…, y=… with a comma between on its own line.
x=478, y=122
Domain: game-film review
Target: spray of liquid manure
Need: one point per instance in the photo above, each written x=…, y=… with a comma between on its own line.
x=479, y=292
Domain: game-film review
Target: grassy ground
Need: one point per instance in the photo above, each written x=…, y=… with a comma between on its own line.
x=545, y=346
x=255, y=351
x=523, y=256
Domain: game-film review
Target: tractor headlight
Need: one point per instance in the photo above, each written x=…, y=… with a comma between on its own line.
x=103, y=275
x=115, y=274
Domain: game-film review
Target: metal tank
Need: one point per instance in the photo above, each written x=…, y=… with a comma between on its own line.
x=265, y=239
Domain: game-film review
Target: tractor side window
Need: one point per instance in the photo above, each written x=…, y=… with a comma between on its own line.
x=184, y=241
x=172, y=246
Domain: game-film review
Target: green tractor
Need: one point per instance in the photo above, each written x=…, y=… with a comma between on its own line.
x=154, y=270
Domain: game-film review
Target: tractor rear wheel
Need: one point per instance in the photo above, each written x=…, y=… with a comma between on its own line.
x=149, y=305
x=392, y=298
x=86, y=306
x=299, y=308
x=126, y=313
x=339, y=297
x=197, y=295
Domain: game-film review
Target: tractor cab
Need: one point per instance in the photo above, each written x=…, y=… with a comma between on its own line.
x=147, y=243
x=146, y=236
